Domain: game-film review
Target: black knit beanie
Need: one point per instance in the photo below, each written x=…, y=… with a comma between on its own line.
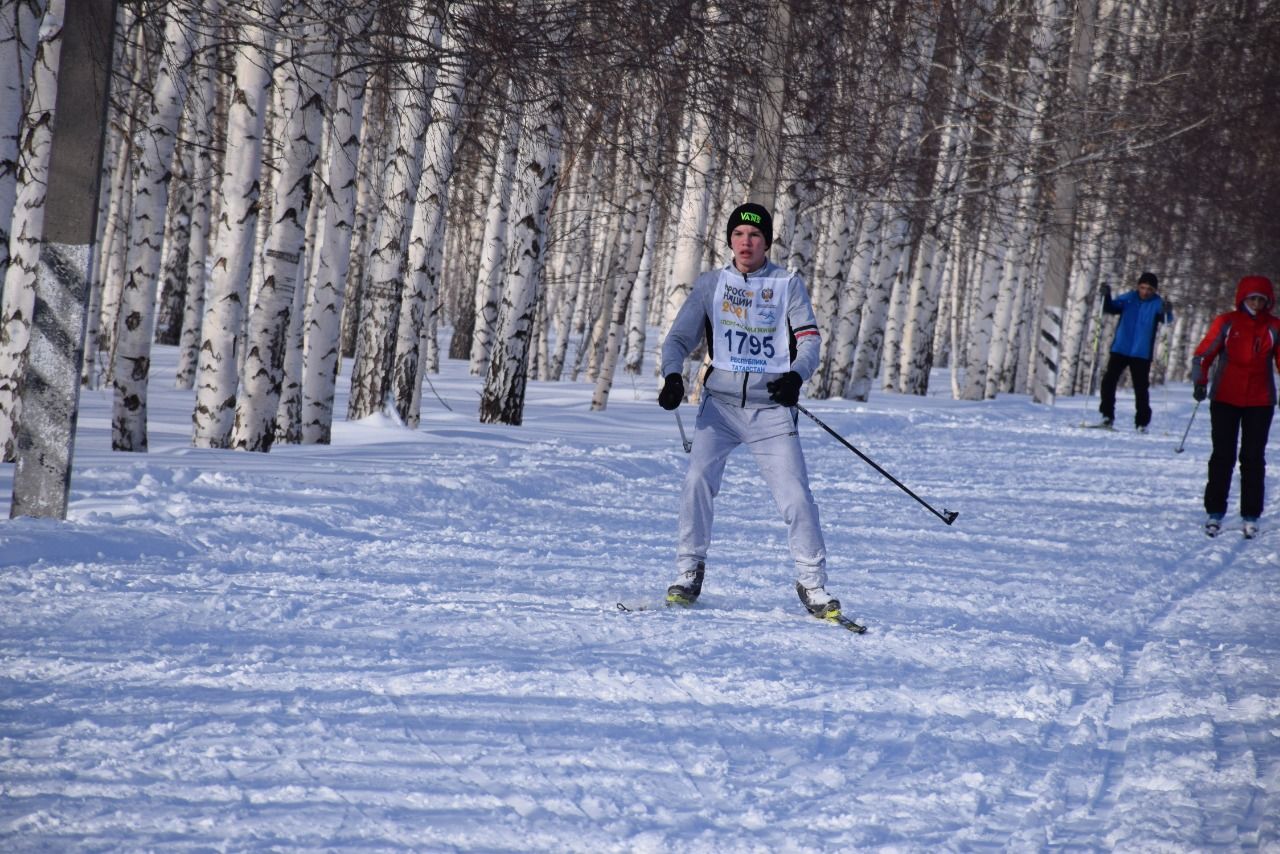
x=751, y=214
x=1149, y=279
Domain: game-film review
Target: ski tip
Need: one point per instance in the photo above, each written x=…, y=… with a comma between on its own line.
x=949, y=516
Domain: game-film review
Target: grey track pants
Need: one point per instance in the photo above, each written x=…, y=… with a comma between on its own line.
x=771, y=436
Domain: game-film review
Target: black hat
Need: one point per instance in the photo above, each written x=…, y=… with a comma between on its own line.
x=751, y=214
x=1149, y=279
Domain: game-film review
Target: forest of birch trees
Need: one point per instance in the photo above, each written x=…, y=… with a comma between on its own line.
x=297, y=193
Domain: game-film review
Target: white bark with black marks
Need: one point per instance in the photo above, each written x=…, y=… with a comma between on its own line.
x=228, y=285
x=502, y=400
x=301, y=85
x=27, y=226
x=156, y=139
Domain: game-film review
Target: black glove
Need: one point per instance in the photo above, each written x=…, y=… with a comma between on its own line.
x=785, y=390
x=1106, y=291
x=672, y=393
x=1199, y=392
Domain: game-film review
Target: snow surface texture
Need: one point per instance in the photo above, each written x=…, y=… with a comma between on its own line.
x=408, y=640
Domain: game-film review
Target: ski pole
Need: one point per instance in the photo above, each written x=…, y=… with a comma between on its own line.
x=688, y=446
x=1178, y=449
x=947, y=516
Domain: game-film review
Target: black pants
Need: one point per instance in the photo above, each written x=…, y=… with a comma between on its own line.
x=1250, y=425
x=1140, y=373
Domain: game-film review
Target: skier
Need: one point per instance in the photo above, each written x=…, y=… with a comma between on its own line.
x=1233, y=367
x=1141, y=311
x=762, y=339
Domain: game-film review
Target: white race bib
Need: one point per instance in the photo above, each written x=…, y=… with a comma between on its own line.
x=749, y=322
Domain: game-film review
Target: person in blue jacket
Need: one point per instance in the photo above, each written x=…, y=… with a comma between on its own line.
x=1141, y=312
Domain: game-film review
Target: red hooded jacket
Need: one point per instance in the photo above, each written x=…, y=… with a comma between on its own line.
x=1237, y=355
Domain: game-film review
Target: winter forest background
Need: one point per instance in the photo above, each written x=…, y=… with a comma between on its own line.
x=294, y=185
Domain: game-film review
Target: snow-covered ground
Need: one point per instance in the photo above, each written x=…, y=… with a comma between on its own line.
x=408, y=640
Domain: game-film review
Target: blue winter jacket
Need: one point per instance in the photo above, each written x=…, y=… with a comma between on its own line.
x=1139, y=319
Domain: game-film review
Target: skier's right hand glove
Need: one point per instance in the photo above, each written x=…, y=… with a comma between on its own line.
x=1199, y=392
x=672, y=393
x=1106, y=290
x=785, y=390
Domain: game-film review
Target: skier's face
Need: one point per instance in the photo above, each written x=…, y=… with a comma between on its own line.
x=1145, y=291
x=747, y=243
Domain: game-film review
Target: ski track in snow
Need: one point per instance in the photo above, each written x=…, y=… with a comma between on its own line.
x=408, y=641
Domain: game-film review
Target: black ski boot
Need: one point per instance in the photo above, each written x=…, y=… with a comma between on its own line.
x=688, y=587
x=818, y=602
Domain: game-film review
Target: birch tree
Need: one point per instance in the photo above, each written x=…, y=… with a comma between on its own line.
x=19, y=20
x=626, y=268
x=227, y=289
x=327, y=291
x=133, y=338
x=494, y=242
x=430, y=210
x=301, y=85
x=27, y=225
x=690, y=225
x=1062, y=208
x=502, y=400
x=375, y=345
x=201, y=108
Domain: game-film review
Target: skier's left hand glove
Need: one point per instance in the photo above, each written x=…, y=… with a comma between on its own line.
x=1199, y=392
x=785, y=390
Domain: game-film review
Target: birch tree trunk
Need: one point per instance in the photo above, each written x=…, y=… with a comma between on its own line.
x=885, y=287
x=637, y=333
x=579, y=228
x=323, y=321
x=430, y=211
x=369, y=181
x=227, y=288
x=1015, y=212
x=875, y=305
x=766, y=155
x=980, y=313
x=935, y=245
x=19, y=21
x=830, y=267
x=494, y=242
x=131, y=368
x=1074, y=332
x=852, y=295
x=502, y=400
x=299, y=92
x=112, y=246
x=626, y=271
x=1062, y=208
x=27, y=226
x=380, y=301
x=173, y=255
x=695, y=203
x=202, y=106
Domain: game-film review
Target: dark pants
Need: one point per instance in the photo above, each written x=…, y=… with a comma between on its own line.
x=1140, y=373
x=1249, y=424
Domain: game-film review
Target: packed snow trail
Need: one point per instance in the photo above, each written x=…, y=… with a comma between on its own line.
x=407, y=640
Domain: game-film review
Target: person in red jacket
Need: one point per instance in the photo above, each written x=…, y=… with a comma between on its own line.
x=1235, y=367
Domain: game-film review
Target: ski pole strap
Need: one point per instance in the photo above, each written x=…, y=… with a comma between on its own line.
x=945, y=515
